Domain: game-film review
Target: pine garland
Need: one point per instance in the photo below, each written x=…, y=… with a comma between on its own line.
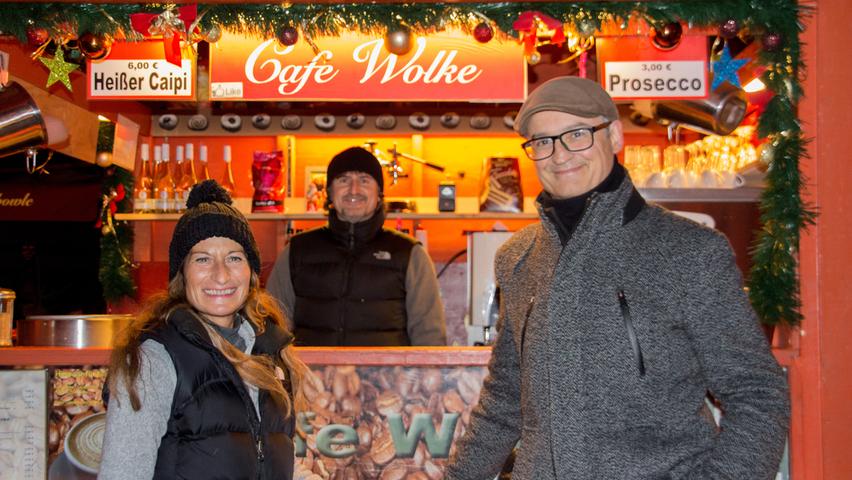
x=773, y=281
x=115, y=271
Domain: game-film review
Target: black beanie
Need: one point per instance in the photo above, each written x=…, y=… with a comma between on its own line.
x=209, y=213
x=355, y=159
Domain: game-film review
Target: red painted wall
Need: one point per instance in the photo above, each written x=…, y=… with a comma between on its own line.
x=822, y=382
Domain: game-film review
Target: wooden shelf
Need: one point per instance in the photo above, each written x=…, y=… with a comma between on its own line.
x=468, y=207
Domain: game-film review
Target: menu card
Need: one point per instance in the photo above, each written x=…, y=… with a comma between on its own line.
x=23, y=424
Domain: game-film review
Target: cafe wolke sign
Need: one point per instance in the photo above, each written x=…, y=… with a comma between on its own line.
x=353, y=66
x=632, y=68
x=139, y=71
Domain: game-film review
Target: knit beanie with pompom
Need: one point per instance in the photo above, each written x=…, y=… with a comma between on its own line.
x=209, y=213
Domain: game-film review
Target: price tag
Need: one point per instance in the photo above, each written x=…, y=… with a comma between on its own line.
x=23, y=424
x=633, y=68
x=674, y=79
x=139, y=71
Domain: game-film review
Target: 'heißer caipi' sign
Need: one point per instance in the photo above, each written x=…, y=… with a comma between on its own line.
x=352, y=66
x=139, y=71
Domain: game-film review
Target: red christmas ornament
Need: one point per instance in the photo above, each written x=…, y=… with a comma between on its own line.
x=94, y=46
x=37, y=36
x=771, y=41
x=729, y=29
x=483, y=33
x=668, y=36
x=288, y=36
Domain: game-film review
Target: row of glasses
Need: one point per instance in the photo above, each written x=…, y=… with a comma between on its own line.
x=711, y=162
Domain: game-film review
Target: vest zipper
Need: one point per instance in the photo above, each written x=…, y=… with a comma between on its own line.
x=631, y=333
x=257, y=434
x=344, y=291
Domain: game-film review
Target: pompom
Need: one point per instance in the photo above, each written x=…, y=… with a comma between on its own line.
x=206, y=192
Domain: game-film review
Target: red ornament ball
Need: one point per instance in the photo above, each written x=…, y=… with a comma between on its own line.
x=729, y=29
x=483, y=33
x=668, y=36
x=94, y=46
x=772, y=41
x=37, y=36
x=288, y=36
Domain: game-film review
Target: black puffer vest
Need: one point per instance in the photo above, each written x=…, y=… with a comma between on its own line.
x=349, y=282
x=213, y=430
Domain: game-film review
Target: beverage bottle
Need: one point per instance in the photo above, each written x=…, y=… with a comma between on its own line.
x=183, y=183
x=228, y=177
x=164, y=186
x=190, y=162
x=143, y=188
x=202, y=157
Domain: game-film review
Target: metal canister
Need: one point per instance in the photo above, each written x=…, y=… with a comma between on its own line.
x=7, y=308
x=78, y=331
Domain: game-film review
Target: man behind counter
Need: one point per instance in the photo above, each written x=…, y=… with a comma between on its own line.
x=353, y=282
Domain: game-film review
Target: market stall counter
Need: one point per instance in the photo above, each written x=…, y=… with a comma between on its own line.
x=375, y=412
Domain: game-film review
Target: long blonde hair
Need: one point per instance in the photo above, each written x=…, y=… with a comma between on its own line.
x=258, y=370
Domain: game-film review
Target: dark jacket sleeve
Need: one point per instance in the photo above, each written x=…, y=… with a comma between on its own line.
x=741, y=370
x=495, y=422
x=423, y=306
x=280, y=285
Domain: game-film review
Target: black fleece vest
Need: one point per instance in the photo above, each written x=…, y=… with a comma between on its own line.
x=350, y=291
x=213, y=430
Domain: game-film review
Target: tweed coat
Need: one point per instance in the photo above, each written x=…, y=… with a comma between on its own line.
x=608, y=346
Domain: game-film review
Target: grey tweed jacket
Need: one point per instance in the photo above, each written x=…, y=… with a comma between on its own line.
x=607, y=348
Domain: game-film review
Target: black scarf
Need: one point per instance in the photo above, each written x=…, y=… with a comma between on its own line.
x=566, y=213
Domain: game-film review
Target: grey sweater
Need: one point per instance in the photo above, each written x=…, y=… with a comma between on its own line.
x=607, y=348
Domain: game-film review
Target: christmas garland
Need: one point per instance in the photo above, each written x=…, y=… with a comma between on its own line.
x=773, y=281
x=116, y=267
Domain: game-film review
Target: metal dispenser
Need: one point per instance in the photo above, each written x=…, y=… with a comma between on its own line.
x=483, y=297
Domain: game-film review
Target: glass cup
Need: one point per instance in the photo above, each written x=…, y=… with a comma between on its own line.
x=7, y=303
x=649, y=157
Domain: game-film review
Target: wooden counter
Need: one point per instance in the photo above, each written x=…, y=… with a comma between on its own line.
x=372, y=356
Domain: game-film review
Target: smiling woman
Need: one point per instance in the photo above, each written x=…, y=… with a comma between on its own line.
x=217, y=276
x=205, y=382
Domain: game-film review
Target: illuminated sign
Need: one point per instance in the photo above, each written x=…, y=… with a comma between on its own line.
x=445, y=66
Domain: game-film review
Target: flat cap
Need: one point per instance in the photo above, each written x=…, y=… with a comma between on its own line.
x=577, y=96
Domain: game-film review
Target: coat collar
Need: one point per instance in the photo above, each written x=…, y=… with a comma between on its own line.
x=607, y=210
x=273, y=339
x=356, y=233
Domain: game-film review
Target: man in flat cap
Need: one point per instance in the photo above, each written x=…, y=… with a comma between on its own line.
x=354, y=282
x=619, y=320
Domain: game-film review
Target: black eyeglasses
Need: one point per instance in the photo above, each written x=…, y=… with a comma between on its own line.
x=574, y=140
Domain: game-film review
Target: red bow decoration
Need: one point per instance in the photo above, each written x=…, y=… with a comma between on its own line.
x=170, y=25
x=111, y=204
x=527, y=25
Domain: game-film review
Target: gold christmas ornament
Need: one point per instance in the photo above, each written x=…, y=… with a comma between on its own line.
x=213, y=34
x=399, y=41
x=534, y=58
x=103, y=159
x=766, y=153
x=106, y=230
x=94, y=46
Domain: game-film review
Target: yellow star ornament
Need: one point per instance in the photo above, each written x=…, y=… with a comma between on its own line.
x=59, y=69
